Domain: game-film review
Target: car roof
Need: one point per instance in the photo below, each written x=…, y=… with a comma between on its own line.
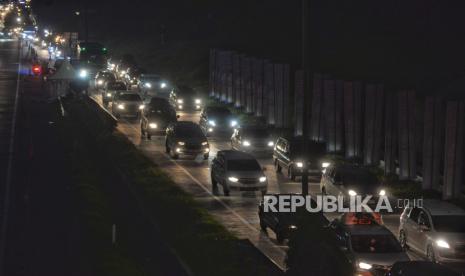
x=236, y=155
x=374, y=229
x=441, y=208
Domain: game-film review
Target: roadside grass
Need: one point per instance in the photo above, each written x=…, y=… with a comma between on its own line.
x=94, y=214
x=197, y=238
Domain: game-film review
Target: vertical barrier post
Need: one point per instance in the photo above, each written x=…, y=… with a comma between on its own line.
x=432, y=142
x=453, y=159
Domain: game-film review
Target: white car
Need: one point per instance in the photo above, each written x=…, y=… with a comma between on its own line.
x=436, y=230
x=235, y=170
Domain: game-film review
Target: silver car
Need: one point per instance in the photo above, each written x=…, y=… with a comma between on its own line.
x=436, y=229
x=239, y=171
x=252, y=139
x=127, y=104
x=371, y=248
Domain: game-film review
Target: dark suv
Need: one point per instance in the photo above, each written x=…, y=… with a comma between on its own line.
x=186, y=138
x=288, y=155
x=157, y=115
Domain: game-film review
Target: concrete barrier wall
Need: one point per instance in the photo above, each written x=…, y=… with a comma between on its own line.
x=317, y=126
x=359, y=120
x=432, y=142
x=453, y=159
x=390, y=134
x=374, y=106
x=406, y=134
x=298, y=102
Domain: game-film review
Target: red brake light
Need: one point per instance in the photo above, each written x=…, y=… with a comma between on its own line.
x=37, y=69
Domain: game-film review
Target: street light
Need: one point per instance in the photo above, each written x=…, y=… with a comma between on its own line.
x=18, y=19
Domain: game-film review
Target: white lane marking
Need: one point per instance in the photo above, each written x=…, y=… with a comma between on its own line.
x=6, y=202
x=204, y=187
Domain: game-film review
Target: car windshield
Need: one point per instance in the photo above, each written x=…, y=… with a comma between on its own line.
x=117, y=86
x=256, y=133
x=313, y=148
x=185, y=92
x=455, y=223
x=243, y=165
x=129, y=97
x=219, y=112
x=189, y=132
x=353, y=176
x=150, y=78
x=375, y=244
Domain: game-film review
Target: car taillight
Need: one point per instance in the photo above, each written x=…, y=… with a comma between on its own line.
x=37, y=69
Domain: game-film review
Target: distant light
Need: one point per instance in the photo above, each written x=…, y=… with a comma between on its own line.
x=77, y=13
x=163, y=85
x=18, y=19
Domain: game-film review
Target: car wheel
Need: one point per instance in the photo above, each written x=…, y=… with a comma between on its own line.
x=403, y=240
x=279, y=237
x=291, y=173
x=430, y=254
x=205, y=156
x=277, y=167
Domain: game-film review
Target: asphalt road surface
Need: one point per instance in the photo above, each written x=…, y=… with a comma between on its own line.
x=239, y=211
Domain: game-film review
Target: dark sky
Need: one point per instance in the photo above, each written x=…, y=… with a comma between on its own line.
x=357, y=37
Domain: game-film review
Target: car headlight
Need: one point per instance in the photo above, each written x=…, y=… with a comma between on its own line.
x=204, y=143
x=246, y=144
x=153, y=125
x=325, y=164
x=121, y=106
x=270, y=143
x=212, y=123
x=197, y=101
x=233, y=123
x=233, y=179
x=210, y=129
x=382, y=192
x=363, y=265
x=148, y=85
x=181, y=143
x=352, y=193
x=100, y=82
x=262, y=179
x=180, y=101
x=292, y=227
x=163, y=85
x=300, y=165
x=83, y=74
x=442, y=244
x=108, y=94
x=141, y=106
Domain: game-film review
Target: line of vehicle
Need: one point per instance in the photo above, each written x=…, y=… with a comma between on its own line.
x=219, y=200
x=9, y=172
x=199, y=183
